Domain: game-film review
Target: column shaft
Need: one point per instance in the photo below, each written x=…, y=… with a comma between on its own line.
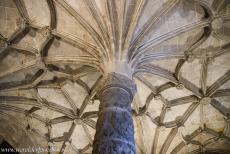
x=114, y=130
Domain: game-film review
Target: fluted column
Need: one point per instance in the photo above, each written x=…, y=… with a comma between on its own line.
x=114, y=130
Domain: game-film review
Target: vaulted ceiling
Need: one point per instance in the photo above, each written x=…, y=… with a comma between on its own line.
x=54, y=56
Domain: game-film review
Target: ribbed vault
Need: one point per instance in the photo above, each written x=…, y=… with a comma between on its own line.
x=55, y=56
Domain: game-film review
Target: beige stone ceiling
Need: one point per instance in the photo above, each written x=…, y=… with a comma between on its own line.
x=55, y=55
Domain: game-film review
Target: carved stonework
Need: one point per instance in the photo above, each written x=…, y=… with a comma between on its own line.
x=211, y=60
x=45, y=31
x=179, y=121
x=217, y=23
x=190, y=58
x=219, y=30
x=115, y=132
x=91, y=101
x=180, y=86
x=21, y=23
x=3, y=43
x=157, y=97
x=51, y=144
x=77, y=121
x=205, y=100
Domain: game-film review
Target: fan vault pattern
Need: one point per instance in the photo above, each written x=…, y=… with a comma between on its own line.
x=55, y=56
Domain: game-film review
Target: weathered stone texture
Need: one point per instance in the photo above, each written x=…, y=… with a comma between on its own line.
x=115, y=132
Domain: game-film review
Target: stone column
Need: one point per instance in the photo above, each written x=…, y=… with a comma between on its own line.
x=114, y=130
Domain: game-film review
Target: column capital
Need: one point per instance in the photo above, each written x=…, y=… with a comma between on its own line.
x=116, y=80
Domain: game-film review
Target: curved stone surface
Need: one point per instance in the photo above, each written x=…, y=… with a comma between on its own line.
x=56, y=55
x=114, y=130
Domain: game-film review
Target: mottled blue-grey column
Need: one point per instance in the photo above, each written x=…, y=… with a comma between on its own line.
x=114, y=130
